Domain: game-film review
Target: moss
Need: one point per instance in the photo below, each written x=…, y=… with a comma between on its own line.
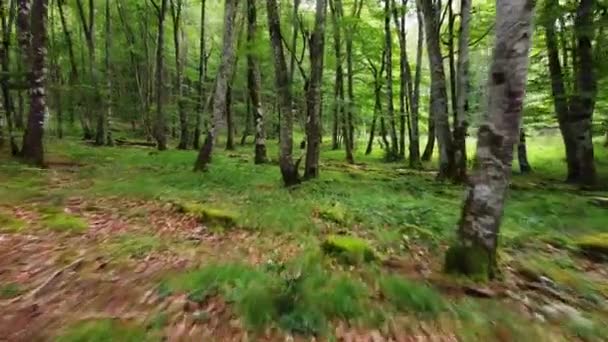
x=594, y=246
x=335, y=213
x=10, y=290
x=207, y=215
x=62, y=222
x=473, y=262
x=103, y=330
x=350, y=249
x=134, y=246
x=9, y=224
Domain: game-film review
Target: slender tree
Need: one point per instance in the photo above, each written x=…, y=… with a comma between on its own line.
x=109, y=140
x=176, y=16
x=7, y=101
x=160, y=124
x=202, y=74
x=414, y=147
x=522, y=153
x=393, y=149
x=223, y=78
x=33, y=150
x=350, y=29
x=475, y=252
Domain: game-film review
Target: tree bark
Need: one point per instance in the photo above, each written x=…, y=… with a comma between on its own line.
x=289, y=170
x=415, y=110
x=439, y=98
x=109, y=103
x=202, y=74
x=230, y=129
x=176, y=15
x=350, y=88
x=73, y=78
x=462, y=87
x=405, y=72
x=313, y=93
x=254, y=82
x=160, y=124
x=340, y=106
x=393, y=149
x=224, y=76
x=475, y=252
x=522, y=153
x=33, y=150
x=8, y=104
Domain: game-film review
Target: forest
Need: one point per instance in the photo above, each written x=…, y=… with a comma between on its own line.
x=303, y=170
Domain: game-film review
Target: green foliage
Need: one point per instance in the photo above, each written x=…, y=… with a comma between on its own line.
x=62, y=222
x=335, y=213
x=349, y=248
x=9, y=224
x=411, y=297
x=104, y=330
x=207, y=215
x=134, y=246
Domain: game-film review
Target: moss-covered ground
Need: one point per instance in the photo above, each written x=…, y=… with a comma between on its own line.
x=128, y=244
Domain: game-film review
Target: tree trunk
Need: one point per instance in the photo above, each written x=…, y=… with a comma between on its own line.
x=392, y=150
x=229, y=118
x=350, y=104
x=439, y=98
x=202, y=74
x=254, y=82
x=33, y=150
x=522, y=153
x=427, y=155
x=340, y=110
x=313, y=93
x=224, y=76
x=8, y=104
x=289, y=170
x=73, y=78
x=176, y=15
x=108, y=119
x=462, y=87
x=405, y=71
x=415, y=104
x=475, y=252
x=160, y=125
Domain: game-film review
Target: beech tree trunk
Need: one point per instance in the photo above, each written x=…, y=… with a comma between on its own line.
x=393, y=150
x=415, y=110
x=109, y=103
x=176, y=15
x=377, y=73
x=475, y=252
x=522, y=153
x=33, y=150
x=160, y=124
x=462, y=92
x=439, y=98
x=313, y=93
x=405, y=73
x=254, y=82
x=202, y=74
x=7, y=100
x=224, y=76
x=289, y=170
x=350, y=88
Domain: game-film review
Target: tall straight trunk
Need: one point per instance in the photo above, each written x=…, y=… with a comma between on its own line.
x=340, y=105
x=377, y=105
x=429, y=148
x=335, y=142
x=294, y=39
x=313, y=93
x=462, y=87
x=393, y=150
x=405, y=79
x=202, y=74
x=176, y=15
x=475, y=253
x=415, y=104
x=350, y=104
x=439, y=98
x=73, y=78
x=224, y=76
x=33, y=150
x=581, y=118
x=160, y=124
x=7, y=102
x=452, y=57
x=522, y=153
x=254, y=82
x=108, y=119
x=230, y=129
x=289, y=170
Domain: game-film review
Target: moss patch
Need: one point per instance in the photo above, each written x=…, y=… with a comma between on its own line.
x=103, y=330
x=207, y=215
x=62, y=222
x=473, y=262
x=335, y=213
x=134, y=246
x=10, y=290
x=9, y=224
x=594, y=246
x=350, y=249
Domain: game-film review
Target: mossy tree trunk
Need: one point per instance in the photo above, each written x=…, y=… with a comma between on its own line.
x=475, y=252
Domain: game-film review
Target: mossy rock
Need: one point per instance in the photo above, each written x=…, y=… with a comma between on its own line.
x=207, y=215
x=594, y=246
x=9, y=224
x=473, y=262
x=349, y=249
x=335, y=213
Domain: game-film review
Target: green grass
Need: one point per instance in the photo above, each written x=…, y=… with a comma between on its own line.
x=62, y=222
x=10, y=290
x=104, y=330
x=134, y=246
x=10, y=224
x=412, y=297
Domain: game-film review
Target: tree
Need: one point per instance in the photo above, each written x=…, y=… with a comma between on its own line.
x=439, y=98
x=202, y=74
x=313, y=93
x=475, y=252
x=7, y=102
x=393, y=149
x=405, y=79
x=108, y=118
x=350, y=91
x=160, y=125
x=522, y=153
x=176, y=15
x=223, y=77
x=289, y=170
x=33, y=150
x=414, y=115
x=254, y=84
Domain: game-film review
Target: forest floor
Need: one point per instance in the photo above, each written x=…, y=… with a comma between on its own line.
x=128, y=244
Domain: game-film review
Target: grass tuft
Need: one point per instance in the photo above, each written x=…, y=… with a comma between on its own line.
x=9, y=224
x=349, y=249
x=103, y=330
x=62, y=222
x=408, y=296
